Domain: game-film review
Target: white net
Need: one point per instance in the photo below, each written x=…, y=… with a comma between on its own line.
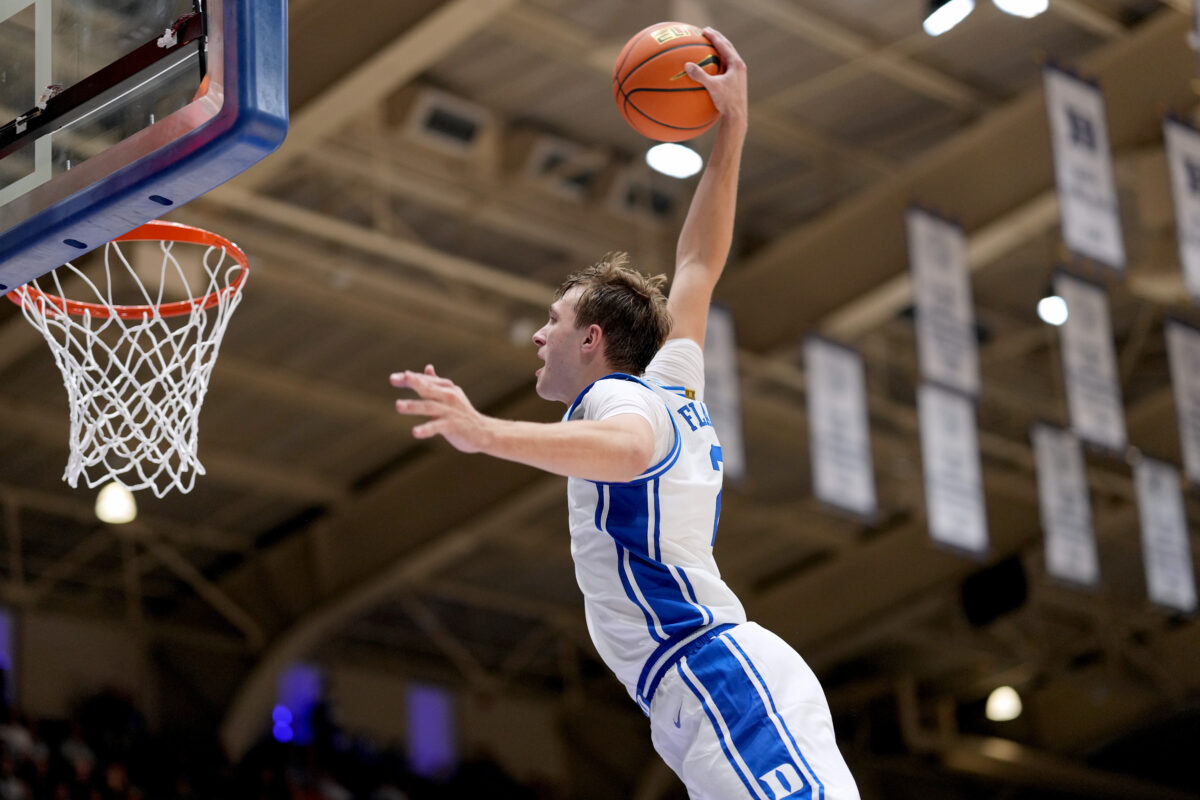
x=136, y=375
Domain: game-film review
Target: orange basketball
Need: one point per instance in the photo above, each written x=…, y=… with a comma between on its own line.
x=652, y=90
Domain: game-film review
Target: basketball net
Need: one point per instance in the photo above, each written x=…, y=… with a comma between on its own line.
x=136, y=375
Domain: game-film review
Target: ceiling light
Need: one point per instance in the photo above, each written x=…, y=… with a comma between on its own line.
x=1052, y=309
x=1003, y=704
x=1022, y=8
x=674, y=160
x=945, y=14
x=115, y=505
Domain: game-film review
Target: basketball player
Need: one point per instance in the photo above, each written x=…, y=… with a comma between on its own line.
x=733, y=710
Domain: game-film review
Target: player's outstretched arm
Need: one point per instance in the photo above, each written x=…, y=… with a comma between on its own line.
x=612, y=450
x=707, y=233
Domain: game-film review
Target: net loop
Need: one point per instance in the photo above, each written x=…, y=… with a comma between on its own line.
x=136, y=374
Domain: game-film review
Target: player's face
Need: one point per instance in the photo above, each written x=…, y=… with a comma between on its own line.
x=559, y=345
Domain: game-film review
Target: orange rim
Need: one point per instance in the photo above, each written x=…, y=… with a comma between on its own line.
x=160, y=231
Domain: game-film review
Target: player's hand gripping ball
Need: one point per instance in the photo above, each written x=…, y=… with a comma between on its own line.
x=653, y=92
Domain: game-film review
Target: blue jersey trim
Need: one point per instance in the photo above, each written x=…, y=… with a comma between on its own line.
x=707, y=612
x=657, y=587
x=653, y=624
x=625, y=570
x=657, y=555
x=668, y=654
x=659, y=468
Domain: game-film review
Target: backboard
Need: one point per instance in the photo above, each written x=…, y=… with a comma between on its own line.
x=113, y=112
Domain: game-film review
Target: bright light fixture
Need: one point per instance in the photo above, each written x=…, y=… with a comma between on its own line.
x=675, y=160
x=1022, y=8
x=1003, y=704
x=115, y=505
x=945, y=14
x=1052, y=310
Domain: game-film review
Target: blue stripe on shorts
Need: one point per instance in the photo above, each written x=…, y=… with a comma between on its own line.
x=755, y=739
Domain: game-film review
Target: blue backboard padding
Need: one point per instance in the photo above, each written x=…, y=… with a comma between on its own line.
x=251, y=124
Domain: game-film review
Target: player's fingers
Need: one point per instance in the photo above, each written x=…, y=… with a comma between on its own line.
x=730, y=59
x=427, y=429
x=697, y=73
x=423, y=408
x=724, y=47
x=425, y=386
x=430, y=378
x=399, y=379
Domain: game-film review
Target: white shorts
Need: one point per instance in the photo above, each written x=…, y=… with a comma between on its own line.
x=744, y=717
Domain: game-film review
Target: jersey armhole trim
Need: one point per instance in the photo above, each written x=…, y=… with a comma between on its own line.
x=656, y=470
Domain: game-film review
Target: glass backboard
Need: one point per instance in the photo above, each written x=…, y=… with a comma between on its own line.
x=113, y=112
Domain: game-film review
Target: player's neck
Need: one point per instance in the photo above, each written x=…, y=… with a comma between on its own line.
x=587, y=377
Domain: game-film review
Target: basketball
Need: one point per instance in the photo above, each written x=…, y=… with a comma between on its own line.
x=653, y=92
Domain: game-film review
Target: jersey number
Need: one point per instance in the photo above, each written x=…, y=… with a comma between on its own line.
x=714, y=455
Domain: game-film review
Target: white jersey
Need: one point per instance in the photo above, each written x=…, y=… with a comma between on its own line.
x=643, y=550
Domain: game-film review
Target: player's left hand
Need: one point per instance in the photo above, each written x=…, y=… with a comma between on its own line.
x=450, y=412
x=728, y=87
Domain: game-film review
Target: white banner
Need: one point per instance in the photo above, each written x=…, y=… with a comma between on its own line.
x=953, y=477
x=945, y=319
x=839, y=434
x=1090, y=364
x=1183, y=353
x=1166, y=553
x=723, y=389
x=1183, y=157
x=1070, y=543
x=1087, y=192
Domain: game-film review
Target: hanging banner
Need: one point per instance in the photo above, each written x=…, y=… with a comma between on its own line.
x=1090, y=364
x=953, y=478
x=1166, y=553
x=1087, y=191
x=1183, y=157
x=723, y=389
x=839, y=434
x=1066, y=511
x=945, y=319
x=1183, y=354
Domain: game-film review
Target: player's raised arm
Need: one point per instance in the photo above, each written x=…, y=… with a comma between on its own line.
x=707, y=233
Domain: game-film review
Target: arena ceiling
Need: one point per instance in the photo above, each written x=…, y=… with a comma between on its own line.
x=322, y=529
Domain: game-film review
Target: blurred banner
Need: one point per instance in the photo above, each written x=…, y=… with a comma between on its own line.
x=1183, y=157
x=839, y=433
x=953, y=477
x=1083, y=172
x=1166, y=553
x=945, y=319
x=1089, y=364
x=1066, y=510
x=1183, y=352
x=723, y=389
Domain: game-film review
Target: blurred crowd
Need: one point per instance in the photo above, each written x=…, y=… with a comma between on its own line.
x=106, y=751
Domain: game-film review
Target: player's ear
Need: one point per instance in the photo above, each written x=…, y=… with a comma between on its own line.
x=593, y=338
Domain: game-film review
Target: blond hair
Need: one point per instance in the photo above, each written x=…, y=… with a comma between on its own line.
x=628, y=306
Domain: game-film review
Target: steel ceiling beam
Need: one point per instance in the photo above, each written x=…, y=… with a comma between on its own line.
x=420, y=47
x=997, y=165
